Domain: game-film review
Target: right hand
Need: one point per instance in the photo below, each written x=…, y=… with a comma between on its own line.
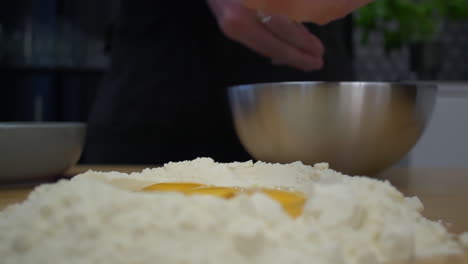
x=317, y=11
x=282, y=40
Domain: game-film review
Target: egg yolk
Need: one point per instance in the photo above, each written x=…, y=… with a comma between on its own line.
x=291, y=202
x=173, y=187
x=222, y=192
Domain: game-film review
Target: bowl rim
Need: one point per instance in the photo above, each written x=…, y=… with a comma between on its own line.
x=408, y=84
x=32, y=124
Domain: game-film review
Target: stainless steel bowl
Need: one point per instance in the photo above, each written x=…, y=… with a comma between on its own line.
x=39, y=151
x=359, y=128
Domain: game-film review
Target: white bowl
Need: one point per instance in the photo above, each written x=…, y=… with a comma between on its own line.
x=39, y=151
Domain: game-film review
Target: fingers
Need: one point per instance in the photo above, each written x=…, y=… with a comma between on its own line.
x=289, y=44
x=317, y=11
x=256, y=37
x=296, y=34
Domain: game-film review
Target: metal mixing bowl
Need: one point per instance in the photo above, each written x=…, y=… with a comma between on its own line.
x=359, y=128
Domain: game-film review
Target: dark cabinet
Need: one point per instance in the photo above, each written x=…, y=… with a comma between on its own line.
x=52, y=56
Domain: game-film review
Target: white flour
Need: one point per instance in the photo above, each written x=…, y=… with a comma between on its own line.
x=101, y=218
x=464, y=239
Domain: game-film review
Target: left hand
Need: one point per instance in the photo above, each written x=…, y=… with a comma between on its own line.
x=280, y=39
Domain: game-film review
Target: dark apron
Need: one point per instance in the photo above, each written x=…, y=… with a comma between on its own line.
x=164, y=98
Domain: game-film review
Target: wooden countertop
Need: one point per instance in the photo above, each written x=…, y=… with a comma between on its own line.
x=444, y=192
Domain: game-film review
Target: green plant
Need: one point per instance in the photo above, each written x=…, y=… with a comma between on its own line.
x=408, y=21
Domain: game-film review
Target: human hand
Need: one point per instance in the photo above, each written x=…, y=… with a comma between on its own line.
x=280, y=39
x=317, y=11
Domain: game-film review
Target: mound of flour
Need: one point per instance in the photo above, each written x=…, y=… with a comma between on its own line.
x=104, y=218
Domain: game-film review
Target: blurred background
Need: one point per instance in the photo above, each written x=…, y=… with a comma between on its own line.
x=53, y=54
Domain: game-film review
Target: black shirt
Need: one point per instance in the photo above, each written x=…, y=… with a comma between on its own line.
x=164, y=98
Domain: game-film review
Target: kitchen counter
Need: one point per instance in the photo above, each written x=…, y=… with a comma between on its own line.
x=444, y=144
x=444, y=192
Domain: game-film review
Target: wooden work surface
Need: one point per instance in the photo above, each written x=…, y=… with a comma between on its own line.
x=444, y=192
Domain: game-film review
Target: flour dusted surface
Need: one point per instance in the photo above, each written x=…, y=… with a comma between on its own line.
x=104, y=218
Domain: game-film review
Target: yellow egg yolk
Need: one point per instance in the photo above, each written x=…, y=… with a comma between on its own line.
x=291, y=202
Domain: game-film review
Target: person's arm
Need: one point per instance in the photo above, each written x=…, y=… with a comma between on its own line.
x=317, y=11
